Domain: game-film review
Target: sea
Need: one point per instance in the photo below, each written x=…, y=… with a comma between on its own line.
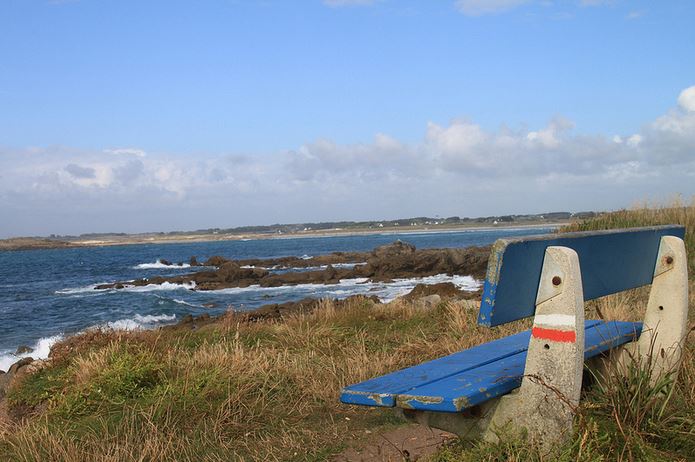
x=46, y=295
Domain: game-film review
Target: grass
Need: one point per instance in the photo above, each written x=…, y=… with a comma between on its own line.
x=230, y=390
x=233, y=390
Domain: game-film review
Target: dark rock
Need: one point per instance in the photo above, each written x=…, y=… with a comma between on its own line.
x=391, y=250
x=22, y=349
x=215, y=261
x=165, y=262
x=19, y=364
x=186, y=319
x=443, y=289
x=329, y=273
x=193, y=261
x=383, y=264
x=229, y=272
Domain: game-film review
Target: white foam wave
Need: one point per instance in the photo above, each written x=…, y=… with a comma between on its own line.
x=157, y=287
x=41, y=350
x=306, y=268
x=159, y=265
x=127, y=288
x=164, y=300
x=386, y=291
x=334, y=265
x=78, y=290
x=184, y=302
x=139, y=322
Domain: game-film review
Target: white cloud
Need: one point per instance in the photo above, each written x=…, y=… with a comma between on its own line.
x=686, y=100
x=126, y=152
x=458, y=168
x=634, y=140
x=482, y=7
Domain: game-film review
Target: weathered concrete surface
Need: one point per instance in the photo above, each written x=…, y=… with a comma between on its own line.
x=660, y=347
x=545, y=404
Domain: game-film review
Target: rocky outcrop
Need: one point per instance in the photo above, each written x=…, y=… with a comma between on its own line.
x=383, y=264
x=23, y=349
x=399, y=261
x=445, y=290
x=16, y=372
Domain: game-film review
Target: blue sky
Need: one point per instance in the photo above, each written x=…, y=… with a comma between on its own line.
x=133, y=116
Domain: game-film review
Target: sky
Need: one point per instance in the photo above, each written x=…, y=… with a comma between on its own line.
x=132, y=116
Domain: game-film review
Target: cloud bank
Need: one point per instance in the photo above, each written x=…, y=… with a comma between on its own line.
x=458, y=168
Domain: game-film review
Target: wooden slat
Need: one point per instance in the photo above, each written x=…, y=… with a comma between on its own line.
x=475, y=386
x=382, y=391
x=610, y=261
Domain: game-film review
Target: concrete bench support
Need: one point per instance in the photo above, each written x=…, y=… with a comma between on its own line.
x=543, y=407
x=660, y=347
x=545, y=404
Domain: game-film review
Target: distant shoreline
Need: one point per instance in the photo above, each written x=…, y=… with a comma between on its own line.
x=151, y=238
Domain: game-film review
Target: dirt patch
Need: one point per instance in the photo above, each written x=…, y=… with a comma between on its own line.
x=408, y=443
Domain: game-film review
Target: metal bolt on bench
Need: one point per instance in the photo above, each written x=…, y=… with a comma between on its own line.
x=530, y=382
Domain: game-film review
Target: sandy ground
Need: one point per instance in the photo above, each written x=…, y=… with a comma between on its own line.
x=404, y=444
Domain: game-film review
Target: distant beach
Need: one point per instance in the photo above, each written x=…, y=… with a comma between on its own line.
x=30, y=243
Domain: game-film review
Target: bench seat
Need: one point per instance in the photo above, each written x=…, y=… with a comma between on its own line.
x=465, y=379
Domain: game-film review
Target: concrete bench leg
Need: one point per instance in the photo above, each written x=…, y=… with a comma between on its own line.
x=545, y=404
x=660, y=346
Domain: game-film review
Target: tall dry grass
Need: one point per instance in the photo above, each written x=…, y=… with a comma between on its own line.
x=230, y=390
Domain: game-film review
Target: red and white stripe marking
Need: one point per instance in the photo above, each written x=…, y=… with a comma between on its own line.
x=555, y=327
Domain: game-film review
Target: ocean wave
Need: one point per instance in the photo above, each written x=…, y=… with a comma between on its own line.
x=126, y=288
x=159, y=265
x=334, y=265
x=139, y=322
x=305, y=268
x=385, y=291
x=41, y=350
x=78, y=290
x=165, y=286
x=163, y=300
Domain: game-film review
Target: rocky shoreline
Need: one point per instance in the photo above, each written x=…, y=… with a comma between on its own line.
x=383, y=264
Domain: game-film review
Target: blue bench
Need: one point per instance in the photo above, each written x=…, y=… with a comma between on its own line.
x=532, y=380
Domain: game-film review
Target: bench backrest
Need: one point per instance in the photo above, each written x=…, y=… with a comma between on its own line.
x=610, y=261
